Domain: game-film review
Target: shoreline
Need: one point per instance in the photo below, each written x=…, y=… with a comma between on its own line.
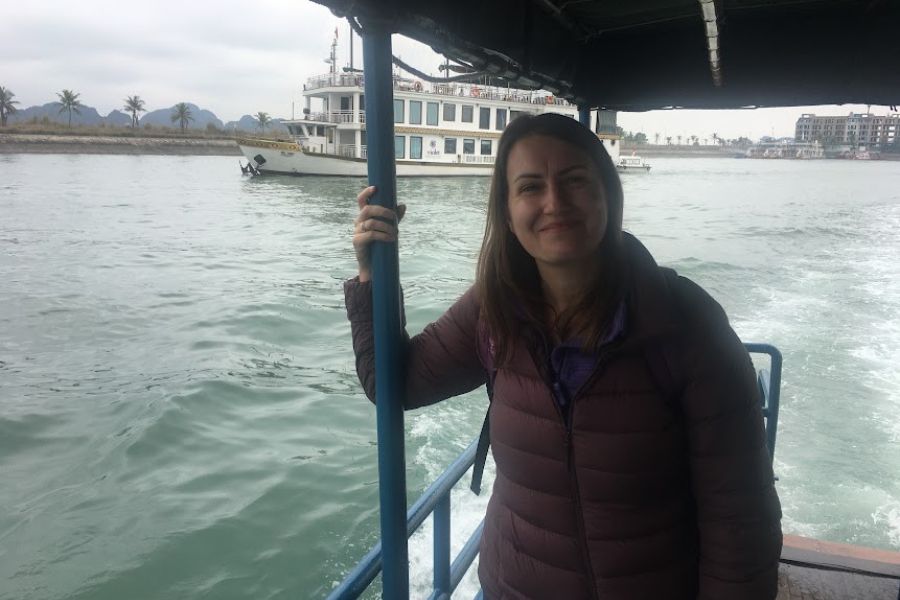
x=23, y=143
x=27, y=143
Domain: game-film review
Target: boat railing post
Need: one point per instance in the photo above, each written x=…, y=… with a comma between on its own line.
x=386, y=314
x=441, y=543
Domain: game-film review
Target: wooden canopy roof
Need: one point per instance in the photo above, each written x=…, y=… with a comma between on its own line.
x=648, y=54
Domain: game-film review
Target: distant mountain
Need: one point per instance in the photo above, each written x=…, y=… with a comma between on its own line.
x=163, y=118
x=88, y=114
x=250, y=124
x=118, y=118
x=157, y=118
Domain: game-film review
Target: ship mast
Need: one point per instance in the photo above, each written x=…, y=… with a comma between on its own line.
x=332, y=59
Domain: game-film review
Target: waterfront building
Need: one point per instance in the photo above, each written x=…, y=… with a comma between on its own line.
x=855, y=129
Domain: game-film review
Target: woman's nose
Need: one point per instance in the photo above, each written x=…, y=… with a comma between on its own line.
x=554, y=198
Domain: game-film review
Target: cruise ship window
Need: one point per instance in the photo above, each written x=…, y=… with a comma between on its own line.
x=449, y=145
x=431, y=113
x=449, y=112
x=399, y=146
x=486, y=147
x=467, y=113
x=415, y=112
x=468, y=146
x=398, y=111
x=501, y=119
x=484, y=118
x=415, y=146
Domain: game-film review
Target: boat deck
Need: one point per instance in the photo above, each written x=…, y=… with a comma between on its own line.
x=816, y=570
x=804, y=583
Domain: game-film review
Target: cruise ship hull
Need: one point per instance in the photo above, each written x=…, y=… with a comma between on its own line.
x=288, y=159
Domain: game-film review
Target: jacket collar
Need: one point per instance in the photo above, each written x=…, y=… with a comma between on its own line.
x=652, y=309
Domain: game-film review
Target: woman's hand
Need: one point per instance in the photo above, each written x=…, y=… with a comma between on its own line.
x=374, y=223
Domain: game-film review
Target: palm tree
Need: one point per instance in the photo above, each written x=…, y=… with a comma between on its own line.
x=181, y=114
x=679, y=140
x=656, y=137
x=7, y=104
x=134, y=105
x=263, y=119
x=668, y=140
x=70, y=102
x=715, y=138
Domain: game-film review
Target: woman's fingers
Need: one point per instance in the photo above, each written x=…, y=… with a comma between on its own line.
x=364, y=238
x=378, y=213
x=363, y=199
x=375, y=224
x=368, y=211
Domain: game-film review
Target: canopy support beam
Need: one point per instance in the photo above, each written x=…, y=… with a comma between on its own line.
x=389, y=381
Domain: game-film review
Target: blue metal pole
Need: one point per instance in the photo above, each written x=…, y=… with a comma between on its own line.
x=386, y=315
x=584, y=116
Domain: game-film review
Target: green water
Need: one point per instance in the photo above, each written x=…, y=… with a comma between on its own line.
x=179, y=411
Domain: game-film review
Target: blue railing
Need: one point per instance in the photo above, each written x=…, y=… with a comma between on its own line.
x=769, y=389
x=436, y=500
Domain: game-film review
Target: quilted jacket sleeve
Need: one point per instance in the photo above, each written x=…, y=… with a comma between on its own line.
x=738, y=511
x=441, y=362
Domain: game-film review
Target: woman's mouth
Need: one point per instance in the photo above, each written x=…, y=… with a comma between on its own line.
x=556, y=226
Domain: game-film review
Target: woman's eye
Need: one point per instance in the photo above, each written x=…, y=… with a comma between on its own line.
x=527, y=188
x=576, y=181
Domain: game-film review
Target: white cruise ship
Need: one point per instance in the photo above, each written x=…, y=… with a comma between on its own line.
x=441, y=129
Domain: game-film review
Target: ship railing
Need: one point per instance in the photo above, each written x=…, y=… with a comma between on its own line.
x=334, y=80
x=477, y=158
x=475, y=92
x=347, y=116
x=436, y=500
x=351, y=151
x=464, y=90
x=338, y=116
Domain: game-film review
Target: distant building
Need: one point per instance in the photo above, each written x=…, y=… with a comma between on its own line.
x=862, y=129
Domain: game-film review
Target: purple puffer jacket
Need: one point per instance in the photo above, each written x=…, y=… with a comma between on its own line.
x=640, y=496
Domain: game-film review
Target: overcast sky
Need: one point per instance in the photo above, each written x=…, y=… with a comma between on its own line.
x=237, y=58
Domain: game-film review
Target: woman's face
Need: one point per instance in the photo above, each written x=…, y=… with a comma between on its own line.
x=556, y=203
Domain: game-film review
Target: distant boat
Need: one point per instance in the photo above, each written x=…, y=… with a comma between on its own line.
x=632, y=164
x=786, y=149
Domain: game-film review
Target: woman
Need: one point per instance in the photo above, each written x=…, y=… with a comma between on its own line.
x=625, y=419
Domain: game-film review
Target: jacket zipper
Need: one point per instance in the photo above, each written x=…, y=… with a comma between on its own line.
x=602, y=360
x=573, y=476
x=568, y=420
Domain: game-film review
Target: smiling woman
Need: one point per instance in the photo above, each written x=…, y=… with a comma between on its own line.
x=625, y=418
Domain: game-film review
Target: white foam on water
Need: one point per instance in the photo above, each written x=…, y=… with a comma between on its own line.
x=888, y=515
x=450, y=424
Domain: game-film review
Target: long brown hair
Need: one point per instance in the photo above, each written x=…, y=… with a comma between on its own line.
x=507, y=278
